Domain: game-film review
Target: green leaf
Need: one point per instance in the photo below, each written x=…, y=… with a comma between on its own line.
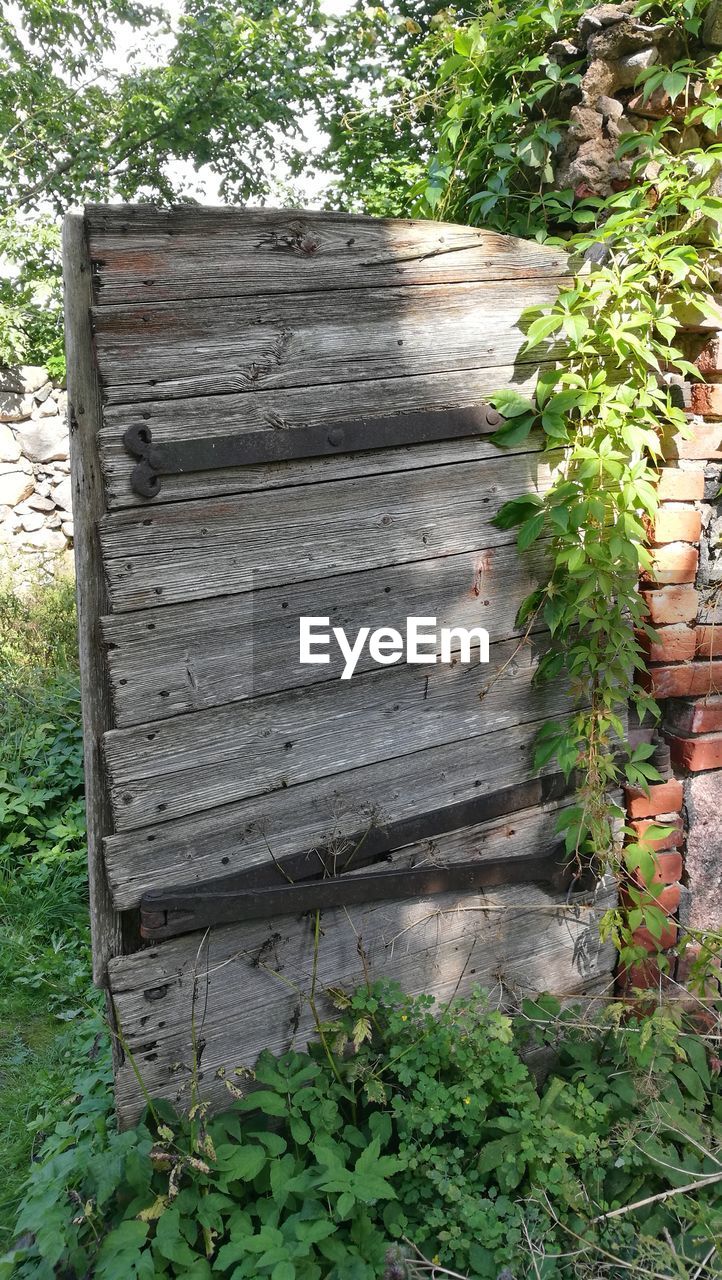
x=513, y=433
x=530, y=531
x=241, y=1162
x=512, y=405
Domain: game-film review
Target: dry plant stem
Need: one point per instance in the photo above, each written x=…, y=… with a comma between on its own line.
x=434, y=1268
x=707, y=1258
x=588, y=1247
x=662, y=1195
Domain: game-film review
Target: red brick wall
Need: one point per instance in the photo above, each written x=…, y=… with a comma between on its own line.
x=683, y=592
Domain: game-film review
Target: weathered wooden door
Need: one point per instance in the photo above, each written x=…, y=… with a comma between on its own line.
x=278, y=416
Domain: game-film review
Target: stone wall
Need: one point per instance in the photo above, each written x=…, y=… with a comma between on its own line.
x=36, y=524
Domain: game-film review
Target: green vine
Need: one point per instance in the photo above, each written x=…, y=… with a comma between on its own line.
x=650, y=253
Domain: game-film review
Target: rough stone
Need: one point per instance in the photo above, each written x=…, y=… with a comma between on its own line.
x=9, y=447
x=42, y=394
x=31, y=520
x=602, y=15
x=703, y=797
x=14, y=406
x=563, y=52
x=50, y=540
x=44, y=440
x=25, y=379
x=610, y=108
x=599, y=81
x=629, y=68
x=618, y=42
x=62, y=495
x=14, y=487
x=712, y=30
x=48, y=409
x=39, y=502
x=67, y=528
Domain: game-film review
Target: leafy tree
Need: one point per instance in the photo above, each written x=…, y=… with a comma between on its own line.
x=227, y=88
x=380, y=111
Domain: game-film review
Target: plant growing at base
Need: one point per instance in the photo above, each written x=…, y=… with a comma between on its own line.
x=645, y=255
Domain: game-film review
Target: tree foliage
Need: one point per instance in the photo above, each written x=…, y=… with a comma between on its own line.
x=226, y=88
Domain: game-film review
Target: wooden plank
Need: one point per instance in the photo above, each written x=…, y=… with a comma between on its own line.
x=521, y=939
x=222, y=841
x=170, y=349
x=293, y=408
x=184, y=657
x=195, y=550
x=84, y=415
x=142, y=254
x=170, y=768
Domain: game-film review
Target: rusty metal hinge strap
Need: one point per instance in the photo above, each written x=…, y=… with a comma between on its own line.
x=315, y=878
x=283, y=444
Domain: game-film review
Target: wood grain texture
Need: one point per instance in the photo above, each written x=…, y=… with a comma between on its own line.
x=84, y=416
x=171, y=350
x=200, y=549
x=292, y=409
x=221, y=841
x=170, y=768
x=143, y=254
x=185, y=657
x=237, y=978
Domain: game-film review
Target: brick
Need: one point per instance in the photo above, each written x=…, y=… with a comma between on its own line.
x=703, y=716
x=643, y=975
x=668, y=869
x=677, y=524
x=672, y=604
x=709, y=359
x=696, y=754
x=674, y=644
x=683, y=681
x=677, y=562
x=700, y=319
x=667, y=899
x=708, y=642
x=664, y=797
x=680, y=486
x=704, y=442
x=705, y=399
x=643, y=938
x=672, y=841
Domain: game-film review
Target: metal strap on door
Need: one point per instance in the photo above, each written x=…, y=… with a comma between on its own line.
x=325, y=877
x=282, y=444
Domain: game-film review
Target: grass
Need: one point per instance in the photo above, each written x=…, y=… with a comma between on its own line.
x=45, y=955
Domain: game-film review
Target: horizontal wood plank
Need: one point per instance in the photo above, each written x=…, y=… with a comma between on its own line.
x=142, y=254
x=518, y=940
x=200, y=549
x=170, y=768
x=185, y=657
x=222, y=841
x=292, y=409
x=171, y=350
